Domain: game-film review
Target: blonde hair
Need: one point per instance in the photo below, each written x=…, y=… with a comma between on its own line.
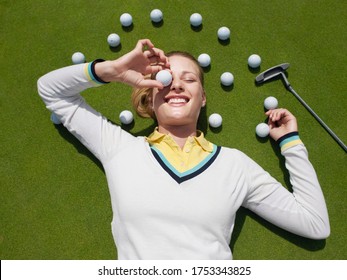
x=141, y=98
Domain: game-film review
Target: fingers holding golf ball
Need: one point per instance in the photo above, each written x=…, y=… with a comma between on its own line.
x=134, y=66
x=157, y=58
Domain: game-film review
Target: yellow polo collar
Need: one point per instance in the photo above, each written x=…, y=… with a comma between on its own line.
x=156, y=137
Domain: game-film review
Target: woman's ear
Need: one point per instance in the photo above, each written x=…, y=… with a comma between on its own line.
x=150, y=100
x=203, y=103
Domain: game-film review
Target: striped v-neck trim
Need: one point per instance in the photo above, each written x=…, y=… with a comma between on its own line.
x=180, y=177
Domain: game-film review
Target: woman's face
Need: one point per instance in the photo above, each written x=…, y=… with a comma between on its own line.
x=180, y=102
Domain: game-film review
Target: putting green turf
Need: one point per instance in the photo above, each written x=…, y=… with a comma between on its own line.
x=54, y=200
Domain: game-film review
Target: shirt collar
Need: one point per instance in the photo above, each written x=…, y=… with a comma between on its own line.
x=157, y=137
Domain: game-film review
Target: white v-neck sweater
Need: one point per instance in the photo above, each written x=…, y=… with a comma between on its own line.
x=156, y=216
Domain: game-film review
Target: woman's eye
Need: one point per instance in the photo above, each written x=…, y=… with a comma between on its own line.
x=189, y=80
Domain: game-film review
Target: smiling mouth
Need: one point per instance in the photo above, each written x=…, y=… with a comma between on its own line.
x=177, y=100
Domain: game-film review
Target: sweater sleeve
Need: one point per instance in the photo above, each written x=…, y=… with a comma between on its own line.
x=303, y=211
x=60, y=90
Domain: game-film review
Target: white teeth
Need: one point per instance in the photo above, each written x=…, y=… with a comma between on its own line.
x=177, y=100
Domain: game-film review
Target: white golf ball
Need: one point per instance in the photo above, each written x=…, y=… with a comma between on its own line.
x=254, y=61
x=113, y=40
x=227, y=79
x=165, y=77
x=126, y=19
x=156, y=15
x=126, y=117
x=215, y=120
x=55, y=119
x=262, y=130
x=204, y=60
x=78, y=58
x=195, y=19
x=223, y=33
x=270, y=103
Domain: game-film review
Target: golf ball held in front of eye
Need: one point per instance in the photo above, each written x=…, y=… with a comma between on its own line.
x=165, y=77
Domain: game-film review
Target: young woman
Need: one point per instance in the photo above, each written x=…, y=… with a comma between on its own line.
x=174, y=194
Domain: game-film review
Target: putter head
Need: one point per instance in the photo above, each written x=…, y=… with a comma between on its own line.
x=271, y=73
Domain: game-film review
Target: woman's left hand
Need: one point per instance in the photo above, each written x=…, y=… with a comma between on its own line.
x=281, y=122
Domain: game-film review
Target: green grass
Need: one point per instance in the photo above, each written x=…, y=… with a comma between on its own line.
x=54, y=200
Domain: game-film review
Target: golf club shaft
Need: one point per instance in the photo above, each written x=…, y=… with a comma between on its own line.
x=327, y=128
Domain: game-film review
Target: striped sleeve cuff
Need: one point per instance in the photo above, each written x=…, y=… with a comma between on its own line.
x=289, y=140
x=89, y=70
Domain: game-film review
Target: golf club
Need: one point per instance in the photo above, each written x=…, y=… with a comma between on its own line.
x=278, y=71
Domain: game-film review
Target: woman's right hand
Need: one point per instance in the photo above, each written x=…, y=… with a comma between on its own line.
x=132, y=67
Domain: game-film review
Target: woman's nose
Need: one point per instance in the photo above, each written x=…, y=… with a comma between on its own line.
x=176, y=84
